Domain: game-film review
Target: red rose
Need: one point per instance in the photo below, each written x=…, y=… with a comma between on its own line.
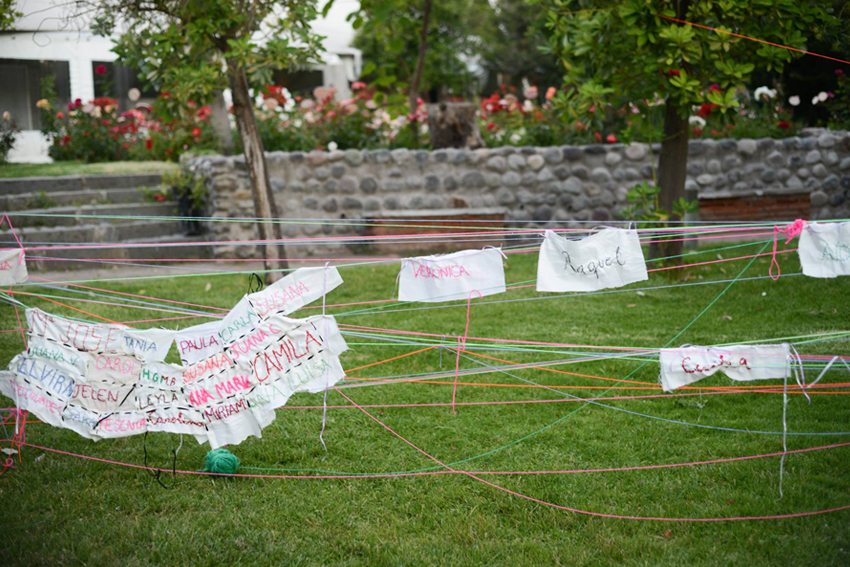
x=697, y=132
x=60, y=115
x=149, y=144
x=100, y=69
x=784, y=124
x=598, y=136
x=196, y=131
x=714, y=88
x=491, y=125
x=78, y=103
x=169, y=151
x=611, y=139
x=673, y=72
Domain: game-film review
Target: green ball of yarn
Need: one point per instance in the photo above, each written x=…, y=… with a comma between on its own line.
x=221, y=461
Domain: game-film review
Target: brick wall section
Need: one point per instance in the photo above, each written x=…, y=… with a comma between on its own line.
x=319, y=191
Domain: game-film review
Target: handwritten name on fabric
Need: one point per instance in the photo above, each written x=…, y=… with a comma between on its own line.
x=824, y=250
x=13, y=266
x=300, y=288
x=198, y=342
x=76, y=375
x=686, y=365
x=609, y=258
x=449, y=277
x=82, y=336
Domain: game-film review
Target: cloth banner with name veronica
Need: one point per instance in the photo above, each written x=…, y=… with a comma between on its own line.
x=824, y=250
x=609, y=258
x=689, y=364
x=448, y=277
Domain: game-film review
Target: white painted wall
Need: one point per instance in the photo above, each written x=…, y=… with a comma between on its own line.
x=45, y=33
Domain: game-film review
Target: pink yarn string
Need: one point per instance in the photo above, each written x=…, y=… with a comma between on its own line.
x=461, y=345
x=790, y=231
x=474, y=476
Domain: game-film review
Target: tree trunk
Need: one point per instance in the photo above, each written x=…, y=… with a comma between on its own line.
x=274, y=254
x=673, y=163
x=454, y=125
x=672, y=172
x=413, y=94
x=221, y=125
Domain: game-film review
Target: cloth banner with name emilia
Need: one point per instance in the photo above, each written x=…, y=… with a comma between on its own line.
x=610, y=258
x=689, y=364
x=106, y=381
x=13, y=267
x=448, y=277
x=824, y=249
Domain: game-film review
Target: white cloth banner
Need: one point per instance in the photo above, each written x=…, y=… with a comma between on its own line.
x=148, y=345
x=448, y=277
x=686, y=365
x=107, y=381
x=82, y=336
x=824, y=250
x=240, y=321
x=198, y=342
x=301, y=287
x=13, y=267
x=609, y=258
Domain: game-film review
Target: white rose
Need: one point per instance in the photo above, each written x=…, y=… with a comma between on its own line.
x=794, y=100
x=332, y=146
x=697, y=121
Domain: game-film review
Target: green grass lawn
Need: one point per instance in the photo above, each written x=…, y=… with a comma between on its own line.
x=10, y=170
x=67, y=511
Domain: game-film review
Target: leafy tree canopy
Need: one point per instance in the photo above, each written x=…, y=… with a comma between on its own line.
x=633, y=50
x=185, y=48
x=388, y=34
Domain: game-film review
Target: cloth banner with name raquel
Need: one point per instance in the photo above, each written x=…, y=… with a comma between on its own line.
x=609, y=258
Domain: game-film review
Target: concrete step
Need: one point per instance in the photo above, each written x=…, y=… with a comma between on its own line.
x=87, y=214
x=93, y=233
x=76, y=259
x=17, y=186
x=43, y=200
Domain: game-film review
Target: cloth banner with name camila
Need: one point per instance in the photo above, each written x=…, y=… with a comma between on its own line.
x=106, y=381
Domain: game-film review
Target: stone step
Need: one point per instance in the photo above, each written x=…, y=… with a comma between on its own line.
x=61, y=183
x=93, y=233
x=72, y=216
x=77, y=259
x=43, y=200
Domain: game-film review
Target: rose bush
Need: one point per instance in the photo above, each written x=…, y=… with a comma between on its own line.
x=97, y=131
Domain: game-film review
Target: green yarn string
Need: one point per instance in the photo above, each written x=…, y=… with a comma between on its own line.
x=221, y=461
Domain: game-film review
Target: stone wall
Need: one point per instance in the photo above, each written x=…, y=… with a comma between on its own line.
x=532, y=185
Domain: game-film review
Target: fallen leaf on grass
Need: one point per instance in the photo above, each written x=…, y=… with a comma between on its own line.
x=630, y=305
x=209, y=286
x=727, y=317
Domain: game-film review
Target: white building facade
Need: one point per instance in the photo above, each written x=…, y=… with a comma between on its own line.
x=46, y=42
